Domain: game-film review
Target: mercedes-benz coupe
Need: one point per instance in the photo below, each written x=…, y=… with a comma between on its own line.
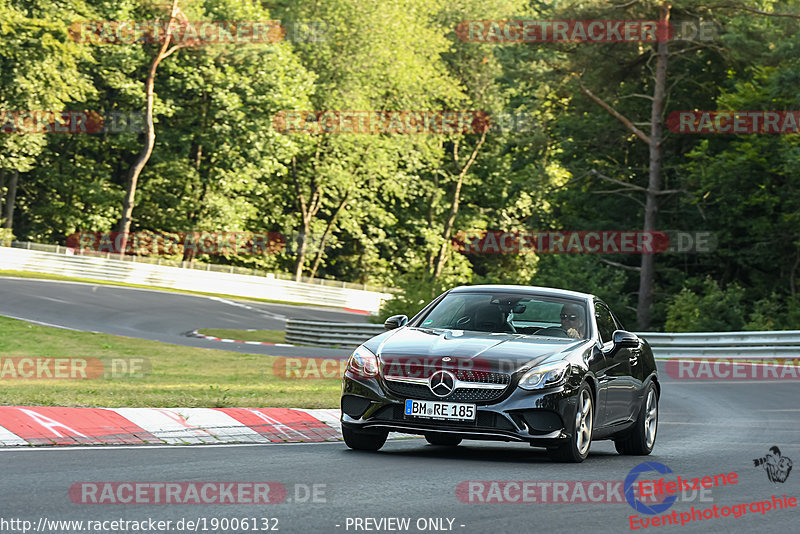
x=550, y=367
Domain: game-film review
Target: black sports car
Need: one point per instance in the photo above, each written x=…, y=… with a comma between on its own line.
x=551, y=367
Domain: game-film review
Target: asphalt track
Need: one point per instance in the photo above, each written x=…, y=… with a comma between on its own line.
x=157, y=315
x=706, y=428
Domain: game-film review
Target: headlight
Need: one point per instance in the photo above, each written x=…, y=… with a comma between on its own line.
x=363, y=363
x=545, y=376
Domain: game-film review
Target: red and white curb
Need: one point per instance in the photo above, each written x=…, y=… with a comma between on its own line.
x=45, y=425
x=195, y=333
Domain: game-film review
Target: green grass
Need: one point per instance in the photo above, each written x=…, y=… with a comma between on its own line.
x=178, y=376
x=266, y=336
x=45, y=276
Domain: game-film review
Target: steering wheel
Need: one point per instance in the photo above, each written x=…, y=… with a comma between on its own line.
x=552, y=330
x=463, y=321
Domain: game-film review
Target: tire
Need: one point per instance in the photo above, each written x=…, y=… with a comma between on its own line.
x=364, y=441
x=443, y=440
x=577, y=448
x=640, y=440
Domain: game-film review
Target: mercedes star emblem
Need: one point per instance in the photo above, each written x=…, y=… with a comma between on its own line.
x=442, y=383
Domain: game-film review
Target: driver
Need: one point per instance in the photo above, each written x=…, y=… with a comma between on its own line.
x=572, y=320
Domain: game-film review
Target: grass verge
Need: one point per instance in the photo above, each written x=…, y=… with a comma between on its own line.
x=178, y=376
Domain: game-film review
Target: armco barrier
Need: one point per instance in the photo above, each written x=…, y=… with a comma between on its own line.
x=324, y=334
x=265, y=287
x=781, y=344
x=763, y=344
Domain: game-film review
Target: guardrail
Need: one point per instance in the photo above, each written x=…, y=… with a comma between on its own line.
x=782, y=344
x=227, y=283
x=194, y=264
x=324, y=334
x=762, y=344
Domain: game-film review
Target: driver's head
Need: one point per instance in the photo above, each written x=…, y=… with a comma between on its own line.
x=572, y=317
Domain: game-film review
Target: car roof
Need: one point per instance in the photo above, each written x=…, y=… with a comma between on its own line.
x=549, y=291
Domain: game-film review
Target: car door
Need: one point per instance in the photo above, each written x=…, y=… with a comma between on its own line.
x=619, y=384
x=637, y=374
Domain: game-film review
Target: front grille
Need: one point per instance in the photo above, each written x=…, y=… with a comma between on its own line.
x=462, y=371
x=463, y=394
x=484, y=377
x=465, y=374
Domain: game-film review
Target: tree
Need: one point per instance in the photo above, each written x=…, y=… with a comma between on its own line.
x=38, y=75
x=164, y=51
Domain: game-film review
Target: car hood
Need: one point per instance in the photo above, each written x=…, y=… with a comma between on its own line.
x=407, y=347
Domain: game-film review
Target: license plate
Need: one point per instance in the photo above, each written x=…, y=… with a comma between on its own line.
x=451, y=411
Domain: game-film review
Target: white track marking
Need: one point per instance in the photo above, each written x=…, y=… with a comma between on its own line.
x=276, y=316
x=42, y=323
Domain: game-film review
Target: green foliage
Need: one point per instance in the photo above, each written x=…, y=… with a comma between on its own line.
x=767, y=314
x=6, y=236
x=417, y=292
x=710, y=309
x=384, y=200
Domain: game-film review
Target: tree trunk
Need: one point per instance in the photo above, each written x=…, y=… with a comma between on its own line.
x=326, y=233
x=301, y=251
x=2, y=191
x=454, y=205
x=150, y=133
x=308, y=210
x=434, y=203
x=647, y=274
x=11, y=199
x=190, y=253
x=448, y=228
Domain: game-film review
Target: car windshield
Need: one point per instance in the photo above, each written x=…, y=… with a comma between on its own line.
x=513, y=313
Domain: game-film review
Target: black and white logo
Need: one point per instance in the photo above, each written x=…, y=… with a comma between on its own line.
x=442, y=383
x=777, y=467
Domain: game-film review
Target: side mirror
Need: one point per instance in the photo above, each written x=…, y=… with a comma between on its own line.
x=395, y=321
x=625, y=340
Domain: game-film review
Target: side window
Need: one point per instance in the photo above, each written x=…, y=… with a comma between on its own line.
x=618, y=324
x=605, y=323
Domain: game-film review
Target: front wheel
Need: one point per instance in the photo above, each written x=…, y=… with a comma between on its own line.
x=364, y=441
x=577, y=448
x=642, y=438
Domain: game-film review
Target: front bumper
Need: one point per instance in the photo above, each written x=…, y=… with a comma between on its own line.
x=541, y=417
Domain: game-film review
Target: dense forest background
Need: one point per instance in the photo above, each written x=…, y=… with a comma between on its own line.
x=382, y=209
